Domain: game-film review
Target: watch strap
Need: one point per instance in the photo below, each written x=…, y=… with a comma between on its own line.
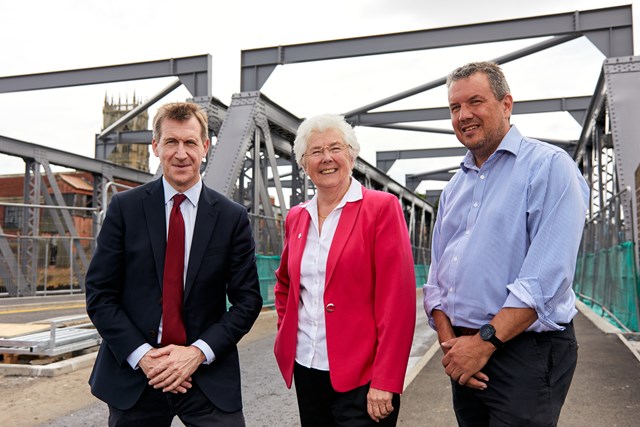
x=488, y=333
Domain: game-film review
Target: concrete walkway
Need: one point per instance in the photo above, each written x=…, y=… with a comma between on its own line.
x=605, y=389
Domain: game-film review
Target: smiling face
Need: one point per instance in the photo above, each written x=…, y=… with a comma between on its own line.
x=180, y=149
x=479, y=120
x=327, y=161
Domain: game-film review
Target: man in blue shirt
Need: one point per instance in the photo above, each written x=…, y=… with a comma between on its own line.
x=499, y=292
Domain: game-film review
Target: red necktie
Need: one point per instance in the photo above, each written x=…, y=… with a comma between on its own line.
x=172, y=280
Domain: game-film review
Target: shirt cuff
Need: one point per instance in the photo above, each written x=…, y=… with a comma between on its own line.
x=137, y=354
x=520, y=297
x=206, y=350
x=431, y=302
x=515, y=302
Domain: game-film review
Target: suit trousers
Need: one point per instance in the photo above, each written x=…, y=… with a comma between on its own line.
x=321, y=406
x=529, y=378
x=156, y=408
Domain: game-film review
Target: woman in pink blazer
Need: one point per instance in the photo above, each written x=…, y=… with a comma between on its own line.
x=345, y=291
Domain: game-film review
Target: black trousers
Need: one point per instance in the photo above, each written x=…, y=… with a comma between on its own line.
x=529, y=379
x=321, y=406
x=155, y=408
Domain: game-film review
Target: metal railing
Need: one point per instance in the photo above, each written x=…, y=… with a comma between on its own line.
x=55, y=270
x=268, y=233
x=63, y=335
x=606, y=271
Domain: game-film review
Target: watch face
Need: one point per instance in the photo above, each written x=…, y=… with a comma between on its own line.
x=487, y=331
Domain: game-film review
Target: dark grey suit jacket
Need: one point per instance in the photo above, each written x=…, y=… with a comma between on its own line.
x=124, y=291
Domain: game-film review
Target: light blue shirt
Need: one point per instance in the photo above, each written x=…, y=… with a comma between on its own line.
x=507, y=235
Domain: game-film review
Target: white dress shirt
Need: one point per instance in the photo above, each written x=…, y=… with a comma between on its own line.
x=189, y=211
x=311, y=349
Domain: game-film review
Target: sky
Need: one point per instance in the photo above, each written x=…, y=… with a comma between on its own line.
x=44, y=36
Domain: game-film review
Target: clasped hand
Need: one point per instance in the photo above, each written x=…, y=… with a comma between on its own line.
x=170, y=368
x=463, y=360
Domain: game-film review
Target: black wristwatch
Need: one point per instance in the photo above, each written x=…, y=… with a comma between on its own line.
x=488, y=333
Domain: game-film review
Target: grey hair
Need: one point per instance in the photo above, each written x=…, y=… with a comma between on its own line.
x=322, y=123
x=497, y=80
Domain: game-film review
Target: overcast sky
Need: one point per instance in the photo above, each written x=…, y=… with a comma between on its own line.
x=46, y=35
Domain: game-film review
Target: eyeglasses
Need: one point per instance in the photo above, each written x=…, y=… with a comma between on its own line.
x=333, y=149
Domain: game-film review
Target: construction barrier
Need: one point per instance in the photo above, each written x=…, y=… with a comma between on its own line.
x=267, y=265
x=607, y=281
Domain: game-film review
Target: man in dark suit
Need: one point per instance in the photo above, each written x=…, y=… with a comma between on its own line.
x=167, y=350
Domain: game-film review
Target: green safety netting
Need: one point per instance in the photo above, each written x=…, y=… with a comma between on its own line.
x=607, y=281
x=422, y=272
x=267, y=265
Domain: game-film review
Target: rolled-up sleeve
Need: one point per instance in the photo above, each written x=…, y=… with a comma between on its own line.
x=557, y=202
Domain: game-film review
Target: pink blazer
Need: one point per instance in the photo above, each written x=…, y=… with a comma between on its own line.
x=369, y=296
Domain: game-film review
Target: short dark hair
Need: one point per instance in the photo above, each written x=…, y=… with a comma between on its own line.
x=180, y=111
x=497, y=80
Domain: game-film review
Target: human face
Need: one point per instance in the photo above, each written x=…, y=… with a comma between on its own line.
x=479, y=120
x=328, y=171
x=181, y=150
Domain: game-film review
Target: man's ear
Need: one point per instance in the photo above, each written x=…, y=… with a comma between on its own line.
x=154, y=147
x=207, y=144
x=507, y=103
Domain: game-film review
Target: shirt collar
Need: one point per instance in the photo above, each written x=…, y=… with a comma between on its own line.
x=510, y=143
x=193, y=193
x=354, y=193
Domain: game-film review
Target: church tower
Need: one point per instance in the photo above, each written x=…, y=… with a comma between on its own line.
x=134, y=156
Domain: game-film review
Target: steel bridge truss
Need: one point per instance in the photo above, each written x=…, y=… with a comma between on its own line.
x=251, y=159
x=609, y=30
x=609, y=154
x=193, y=72
x=23, y=268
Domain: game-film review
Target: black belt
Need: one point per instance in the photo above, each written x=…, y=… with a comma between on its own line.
x=461, y=331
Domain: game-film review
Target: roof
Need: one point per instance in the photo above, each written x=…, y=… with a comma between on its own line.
x=76, y=182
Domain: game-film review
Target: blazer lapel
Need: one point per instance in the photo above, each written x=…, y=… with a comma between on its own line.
x=153, y=205
x=206, y=220
x=297, y=242
x=345, y=227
